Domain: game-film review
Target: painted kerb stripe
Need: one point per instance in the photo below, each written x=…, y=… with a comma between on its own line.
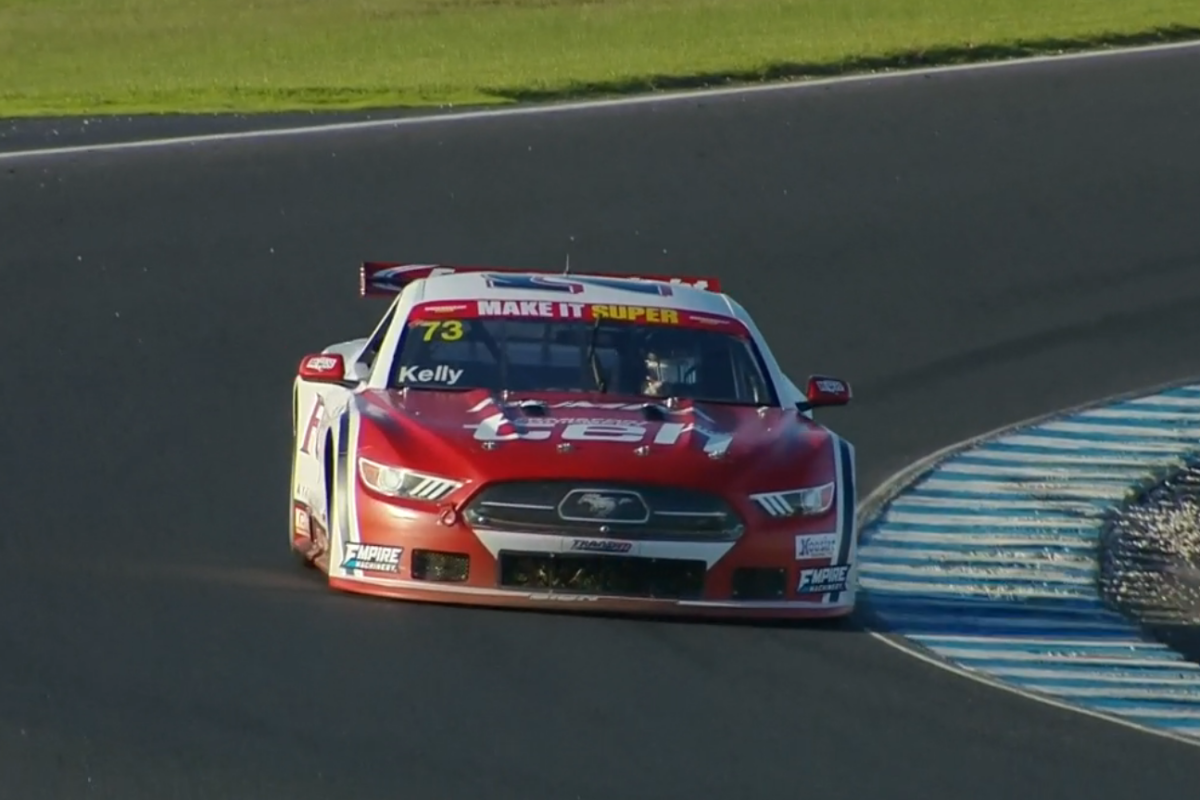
x=989, y=561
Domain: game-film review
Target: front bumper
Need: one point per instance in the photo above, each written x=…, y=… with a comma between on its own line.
x=418, y=591
x=757, y=576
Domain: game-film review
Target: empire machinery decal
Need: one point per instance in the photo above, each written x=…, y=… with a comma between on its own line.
x=374, y=557
x=823, y=579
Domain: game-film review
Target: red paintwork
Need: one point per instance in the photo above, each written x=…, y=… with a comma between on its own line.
x=431, y=431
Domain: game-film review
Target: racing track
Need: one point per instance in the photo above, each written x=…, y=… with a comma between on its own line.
x=969, y=249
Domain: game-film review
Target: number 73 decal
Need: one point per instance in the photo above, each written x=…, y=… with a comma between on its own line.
x=448, y=330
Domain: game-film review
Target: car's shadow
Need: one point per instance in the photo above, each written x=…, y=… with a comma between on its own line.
x=853, y=623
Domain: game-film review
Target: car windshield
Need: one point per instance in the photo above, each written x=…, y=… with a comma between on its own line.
x=652, y=355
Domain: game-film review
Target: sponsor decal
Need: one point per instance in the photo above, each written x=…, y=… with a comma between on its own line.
x=565, y=598
x=313, y=424
x=435, y=316
x=590, y=405
x=439, y=374
x=700, y=319
x=575, y=285
x=542, y=283
x=815, y=545
x=303, y=523
x=601, y=546
x=376, y=557
x=598, y=422
x=639, y=286
x=831, y=386
x=662, y=316
x=823, y=579
x=585, y=311
x=502, y=428
x=393, y=279
x=321, y=363
x=529, y=308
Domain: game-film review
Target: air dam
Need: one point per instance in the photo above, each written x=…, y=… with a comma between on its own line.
x=989, y=560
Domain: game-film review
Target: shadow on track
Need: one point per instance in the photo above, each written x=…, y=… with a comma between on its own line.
x=906, y=59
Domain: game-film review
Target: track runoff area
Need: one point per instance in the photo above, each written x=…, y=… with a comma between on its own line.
x=985, y=558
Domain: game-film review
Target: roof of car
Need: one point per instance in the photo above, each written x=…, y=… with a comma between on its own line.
x=474, y=286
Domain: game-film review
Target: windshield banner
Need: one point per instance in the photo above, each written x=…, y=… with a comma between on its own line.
x=585, y=312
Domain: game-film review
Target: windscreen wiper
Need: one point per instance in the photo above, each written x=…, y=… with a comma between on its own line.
x=597, y=371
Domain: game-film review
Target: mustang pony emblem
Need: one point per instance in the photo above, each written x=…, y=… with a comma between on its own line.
x=601, y=505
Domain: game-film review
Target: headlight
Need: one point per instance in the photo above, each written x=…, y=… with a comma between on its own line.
x=809, y=501
x=404, y=483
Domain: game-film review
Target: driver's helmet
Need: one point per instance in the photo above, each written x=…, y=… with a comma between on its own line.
x=671, y=364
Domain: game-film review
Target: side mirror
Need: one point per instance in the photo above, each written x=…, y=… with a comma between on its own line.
x=323, y=368
x=823, y=390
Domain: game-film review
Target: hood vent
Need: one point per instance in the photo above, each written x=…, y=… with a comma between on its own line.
x=654, y=412
x=533, y=408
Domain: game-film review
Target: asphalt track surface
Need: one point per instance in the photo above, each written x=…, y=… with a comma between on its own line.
x=968, y=250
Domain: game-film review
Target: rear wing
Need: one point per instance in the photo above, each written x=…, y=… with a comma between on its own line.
x=382, y=278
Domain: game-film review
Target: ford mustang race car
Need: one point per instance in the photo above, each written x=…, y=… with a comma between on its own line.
x=523, y=438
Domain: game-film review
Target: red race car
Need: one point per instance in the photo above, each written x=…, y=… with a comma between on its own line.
x=611, y=442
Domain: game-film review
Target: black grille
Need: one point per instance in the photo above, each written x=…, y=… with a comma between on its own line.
x=759, y=583
x=623, y=510
x=603, y=575
x=429, y=565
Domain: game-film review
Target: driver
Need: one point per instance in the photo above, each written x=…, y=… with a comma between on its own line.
x=670, y=362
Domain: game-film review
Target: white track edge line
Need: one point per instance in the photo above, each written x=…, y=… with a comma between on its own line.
x=1046, y=700
x=895, y=484
x=797, y=84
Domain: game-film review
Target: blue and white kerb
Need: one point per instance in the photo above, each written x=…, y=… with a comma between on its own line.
x=990, y=560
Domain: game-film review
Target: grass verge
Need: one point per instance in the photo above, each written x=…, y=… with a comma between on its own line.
x=69, y=57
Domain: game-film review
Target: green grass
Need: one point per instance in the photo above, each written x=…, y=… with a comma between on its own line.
x=129, y=56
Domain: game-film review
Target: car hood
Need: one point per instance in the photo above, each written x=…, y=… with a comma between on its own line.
x=475, y=435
